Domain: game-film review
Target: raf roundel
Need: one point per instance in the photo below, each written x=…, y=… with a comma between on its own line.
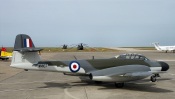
x=74, y=66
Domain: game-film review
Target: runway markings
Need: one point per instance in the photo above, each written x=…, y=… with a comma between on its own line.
x=85, y=92
x=68, y=94
x=171, y=74
x=11, y=76
x=165, y=60
x=16, y=90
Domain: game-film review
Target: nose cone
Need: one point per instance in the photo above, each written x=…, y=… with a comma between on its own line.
x=164, y=65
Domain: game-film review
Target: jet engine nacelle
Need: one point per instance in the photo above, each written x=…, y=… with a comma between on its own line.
x=101, y=78
x=121, y=78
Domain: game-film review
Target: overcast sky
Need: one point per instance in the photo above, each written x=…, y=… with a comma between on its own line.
x=108, y=23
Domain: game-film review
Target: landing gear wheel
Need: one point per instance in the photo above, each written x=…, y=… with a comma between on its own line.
x=98, y=82
x=157, y=75
x=153, y=78
x=119, y=85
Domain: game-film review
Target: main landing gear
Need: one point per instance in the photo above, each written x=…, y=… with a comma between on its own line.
x=119, y=85
x=154, y=77
x=98, y=82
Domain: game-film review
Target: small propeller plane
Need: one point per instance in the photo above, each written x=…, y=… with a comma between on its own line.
x=4, y=55
x=164, y=48
x=119, y=69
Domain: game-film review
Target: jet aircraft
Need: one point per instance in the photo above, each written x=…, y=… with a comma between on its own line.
x=164, y=48
x=119, y=69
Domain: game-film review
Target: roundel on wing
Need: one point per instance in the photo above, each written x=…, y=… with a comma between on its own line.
x=74, y=66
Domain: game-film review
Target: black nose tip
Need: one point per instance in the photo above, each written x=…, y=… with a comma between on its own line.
x=164, y=65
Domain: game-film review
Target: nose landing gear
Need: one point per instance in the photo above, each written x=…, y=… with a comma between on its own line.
x=154, y=77
x=119, y=85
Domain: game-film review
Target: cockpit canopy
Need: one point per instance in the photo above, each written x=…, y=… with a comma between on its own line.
x=131, y=56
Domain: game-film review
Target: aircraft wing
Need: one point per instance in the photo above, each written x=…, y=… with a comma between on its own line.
x=121, y=73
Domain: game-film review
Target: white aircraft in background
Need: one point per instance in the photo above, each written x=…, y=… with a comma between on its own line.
x=164, y=48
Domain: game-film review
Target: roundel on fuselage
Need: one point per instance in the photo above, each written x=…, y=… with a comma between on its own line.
x=74, y=66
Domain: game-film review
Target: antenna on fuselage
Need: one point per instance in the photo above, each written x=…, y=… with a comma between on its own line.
x=75, y=57
x=93, y=57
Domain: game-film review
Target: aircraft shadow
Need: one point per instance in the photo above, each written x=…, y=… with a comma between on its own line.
x=139, y=87
x=55, y=84
x=159, y=79
x=144, y=87
x=148, y=80
x=6, y=60
x=66, y=85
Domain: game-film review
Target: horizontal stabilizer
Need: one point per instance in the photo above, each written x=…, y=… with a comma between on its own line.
x=28, y=49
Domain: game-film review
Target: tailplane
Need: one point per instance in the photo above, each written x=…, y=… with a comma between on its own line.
x=24, y=51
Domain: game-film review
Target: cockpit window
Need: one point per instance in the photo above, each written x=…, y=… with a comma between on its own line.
x=132, y=56
x=137, y=57
x=127, y=57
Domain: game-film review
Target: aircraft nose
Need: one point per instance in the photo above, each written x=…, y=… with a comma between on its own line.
x=164, y=65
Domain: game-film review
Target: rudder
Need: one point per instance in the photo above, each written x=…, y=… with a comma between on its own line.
x=24, y=43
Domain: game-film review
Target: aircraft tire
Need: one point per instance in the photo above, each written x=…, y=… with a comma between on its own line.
x=98, y=82
x=153, y=78
x=119, y=85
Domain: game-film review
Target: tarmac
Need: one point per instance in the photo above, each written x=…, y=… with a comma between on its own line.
x=20, y=84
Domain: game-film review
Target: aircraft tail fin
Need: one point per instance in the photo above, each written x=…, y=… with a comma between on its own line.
x=156, y=45
x=24, y=43
x=24, y=51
